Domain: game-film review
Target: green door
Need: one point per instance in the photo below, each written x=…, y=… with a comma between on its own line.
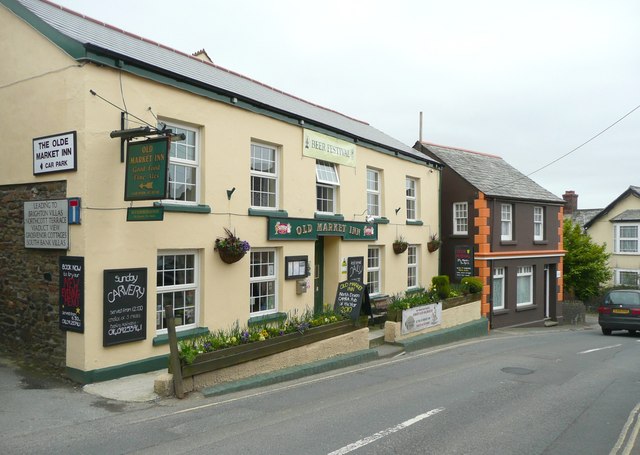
x=318, y=276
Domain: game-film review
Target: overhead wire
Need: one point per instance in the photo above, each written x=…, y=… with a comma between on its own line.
x=572, y=150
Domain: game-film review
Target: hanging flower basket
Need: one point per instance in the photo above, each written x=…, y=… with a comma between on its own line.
x=434, y=243
x=230, y=248
x=400, y=247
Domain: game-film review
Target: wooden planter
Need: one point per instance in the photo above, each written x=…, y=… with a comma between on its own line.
x=216, y=360
x=229, y=256
x=399, y=248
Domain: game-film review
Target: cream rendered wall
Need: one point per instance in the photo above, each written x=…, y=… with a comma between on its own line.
x=49, y=94
x=602, y=231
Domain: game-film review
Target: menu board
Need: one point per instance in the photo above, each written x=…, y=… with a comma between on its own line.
x=355, y=268
x=349, y=298
x=125, y=306
x=71, y=297
x=463, y=261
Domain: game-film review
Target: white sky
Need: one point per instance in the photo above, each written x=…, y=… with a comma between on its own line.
x=526, y=80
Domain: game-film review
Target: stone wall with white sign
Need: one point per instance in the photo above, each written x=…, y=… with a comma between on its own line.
x=29, y=283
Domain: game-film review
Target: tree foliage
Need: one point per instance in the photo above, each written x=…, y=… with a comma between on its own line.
x=586, y=266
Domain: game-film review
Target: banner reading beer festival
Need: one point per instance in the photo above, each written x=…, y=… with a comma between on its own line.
x=311, y=229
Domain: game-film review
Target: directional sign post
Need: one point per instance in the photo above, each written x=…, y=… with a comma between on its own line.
x=147, y=167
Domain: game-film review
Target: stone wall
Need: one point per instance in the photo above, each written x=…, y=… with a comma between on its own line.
x=29, y=283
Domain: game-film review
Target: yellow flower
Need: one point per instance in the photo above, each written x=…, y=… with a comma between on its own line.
x=262, y=338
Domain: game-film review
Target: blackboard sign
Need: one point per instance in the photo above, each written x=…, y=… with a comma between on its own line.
x=125, y=306
x=463, y=261
x=355, y=269
x=349, y=298
x=71, y=297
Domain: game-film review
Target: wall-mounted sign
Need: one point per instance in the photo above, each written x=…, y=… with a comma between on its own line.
x=327, y=148
x=46, y=224
x=55, y=153
x=463, y=261
x=125, y=306
x=311, y=229
x=147, y=168
x=145, y=213
x=71, y=293
x=355, y=269
x=421, y=317
x=296, y=267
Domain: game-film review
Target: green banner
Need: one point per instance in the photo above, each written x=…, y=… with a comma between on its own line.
x=147, y=167
x=311, y=229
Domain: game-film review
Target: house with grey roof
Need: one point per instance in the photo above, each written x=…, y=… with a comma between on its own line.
x=140, y=182
x=618, y=227
x=572, y=212
x=502, y=227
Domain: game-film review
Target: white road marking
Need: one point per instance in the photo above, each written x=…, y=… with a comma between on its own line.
x=623, y=435
x=381, y=434
x=600, y=349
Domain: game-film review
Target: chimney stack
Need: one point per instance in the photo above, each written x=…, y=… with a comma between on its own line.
x=571, y=199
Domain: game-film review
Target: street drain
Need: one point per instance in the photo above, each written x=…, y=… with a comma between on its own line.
x=517, y=370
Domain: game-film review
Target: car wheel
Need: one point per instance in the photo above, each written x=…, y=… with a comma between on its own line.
x=606, y=331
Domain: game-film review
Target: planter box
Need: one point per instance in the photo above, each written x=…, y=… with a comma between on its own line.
x=216, y=360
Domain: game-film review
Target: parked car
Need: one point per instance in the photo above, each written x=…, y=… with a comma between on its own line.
x=620, y=311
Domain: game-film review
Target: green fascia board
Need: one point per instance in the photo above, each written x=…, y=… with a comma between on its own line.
x=118, y=371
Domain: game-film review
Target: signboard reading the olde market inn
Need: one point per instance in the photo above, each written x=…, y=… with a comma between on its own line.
x=147, y=168
x=54, y=153
x=125, y=306
x=46, y=224
x=328, y=148
x=311, y=229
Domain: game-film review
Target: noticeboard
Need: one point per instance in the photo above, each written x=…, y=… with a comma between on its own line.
x=125, y=306
x=71, y=297
x=147, y=167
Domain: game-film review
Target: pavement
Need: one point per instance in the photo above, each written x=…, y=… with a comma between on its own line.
x=140, y=387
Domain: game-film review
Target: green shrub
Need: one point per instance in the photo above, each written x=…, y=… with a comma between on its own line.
x=471, y=285
x=441, y=285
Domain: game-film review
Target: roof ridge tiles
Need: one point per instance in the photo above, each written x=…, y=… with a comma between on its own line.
x=193, y=57
x=460, y=149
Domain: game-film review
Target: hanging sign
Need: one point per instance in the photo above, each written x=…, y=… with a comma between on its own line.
x=145, y=213
x=147, y=166
x=71, y=295
x=55, y=153
x=125, y=306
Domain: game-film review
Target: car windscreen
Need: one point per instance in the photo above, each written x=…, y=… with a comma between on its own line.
x=623, y=298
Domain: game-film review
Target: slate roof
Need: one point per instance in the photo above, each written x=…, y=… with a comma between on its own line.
x=95, y=35
x=631, y=191
x=491, y=174
x=582, y=216
x=627, y=215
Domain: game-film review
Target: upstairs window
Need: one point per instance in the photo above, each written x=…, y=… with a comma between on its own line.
x=626, y=238
x=460, y=218
x=264, y=176
x=327, y=183
x=373, y=192
x=412, y=198
x=184, y=166
x=538, y=223
x=506, y=219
